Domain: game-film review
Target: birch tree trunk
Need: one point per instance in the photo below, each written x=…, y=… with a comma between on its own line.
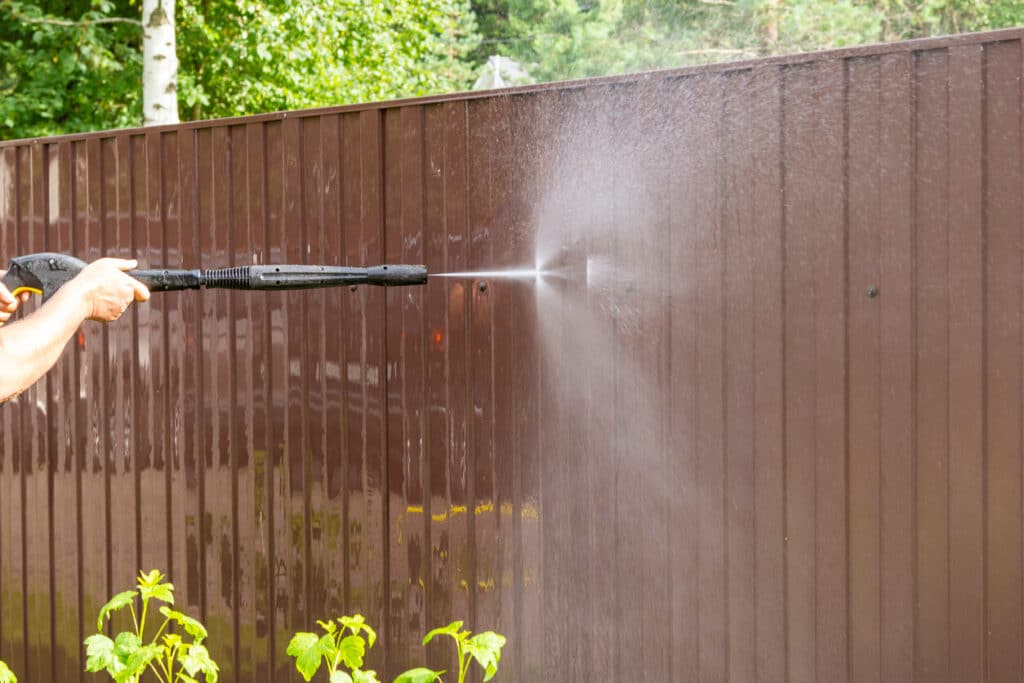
x=159, y=63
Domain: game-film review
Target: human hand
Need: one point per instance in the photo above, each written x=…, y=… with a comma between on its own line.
x=8, y=302
x=105, y=289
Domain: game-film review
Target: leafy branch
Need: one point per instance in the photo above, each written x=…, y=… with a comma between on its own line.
x=127, y=657
x=484, y=648
x=336, y=649
x=77, y=24
x=13, y=9
x=343, y=645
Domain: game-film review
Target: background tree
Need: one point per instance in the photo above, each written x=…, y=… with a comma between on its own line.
x=68, y=66
x=251, y=56
x=560, y=39
x=74, y=65
x=159, y=63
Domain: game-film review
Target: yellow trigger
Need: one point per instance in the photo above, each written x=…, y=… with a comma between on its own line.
x=20, y=290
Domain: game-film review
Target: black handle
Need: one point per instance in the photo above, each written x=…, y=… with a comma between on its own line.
x=168, y=280
x=42, y=273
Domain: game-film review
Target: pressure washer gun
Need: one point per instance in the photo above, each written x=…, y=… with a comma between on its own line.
x=45, y=273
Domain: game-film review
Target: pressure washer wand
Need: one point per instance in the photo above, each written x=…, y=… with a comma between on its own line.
x=45, y=273
x=280, y=277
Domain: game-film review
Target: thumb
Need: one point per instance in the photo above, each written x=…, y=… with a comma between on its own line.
x=141, y=291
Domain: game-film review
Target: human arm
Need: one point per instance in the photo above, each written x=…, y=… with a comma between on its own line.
x=29, y=347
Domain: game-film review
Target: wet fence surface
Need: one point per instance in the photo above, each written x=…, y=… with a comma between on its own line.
x=757, y=418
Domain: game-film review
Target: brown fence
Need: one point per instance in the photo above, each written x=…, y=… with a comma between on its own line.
x=759, y=419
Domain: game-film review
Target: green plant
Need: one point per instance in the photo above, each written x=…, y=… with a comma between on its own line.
x=129, y=655
x=343, y=644
x=484, y=647
x=337, y=649
x=6, y=675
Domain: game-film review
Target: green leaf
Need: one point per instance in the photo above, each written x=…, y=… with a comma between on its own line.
x=191, y=626
x=126, y=644
x=340, y=677
x=151, y=586
x=305, y=648
x=119, y=601
x=485, y=648
x=99, y=652
x=451, y=629
x=140, y=659
x=364, y=677
x=352, y=649
x=196, y=659
x=356, y=624
x=327, y=626
x=419, y=675
x=149, y=579
x=7, y=676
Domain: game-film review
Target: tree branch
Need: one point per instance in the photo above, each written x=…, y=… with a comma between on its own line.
x=51, y=21
x=84, y=22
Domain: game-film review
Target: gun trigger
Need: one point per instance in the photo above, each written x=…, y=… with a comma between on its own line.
x=21, y=290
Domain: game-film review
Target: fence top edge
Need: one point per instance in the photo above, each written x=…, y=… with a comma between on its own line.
x=872, y=50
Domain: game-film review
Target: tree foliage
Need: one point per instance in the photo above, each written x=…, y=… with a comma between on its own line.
x=560, y=39
x=66, y=66
x=74, y=65
x=265, y=55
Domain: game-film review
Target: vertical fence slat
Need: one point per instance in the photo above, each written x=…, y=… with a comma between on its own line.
x=245, y=230
x=738, y=211
x=13, y=444
x=519, y=615
x=692, y=163
x=710, y=473
x=150, y=383
x=294, y=532
x=815, y=371
x=832, y=599
x=310, y=199
x=331, y=477
x=437, y=406
x=480, y=513
x=932, y=301
x=896, y=449
x=1002, y=212
x=411, y=337
x=865, y=379
x=366, y=373
x=122, y=494
x=541, y=116
x=403, y=223
x=560, y=626
x=505, y=294
x=279, y=521
x=38, y=522
x=62, y=419
x=354, y=519
x=95, y=462
x=765, y=114
x=186, y=351
x=799, y=384
x=966, y=367
x=171, y=343
x=456, y=199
